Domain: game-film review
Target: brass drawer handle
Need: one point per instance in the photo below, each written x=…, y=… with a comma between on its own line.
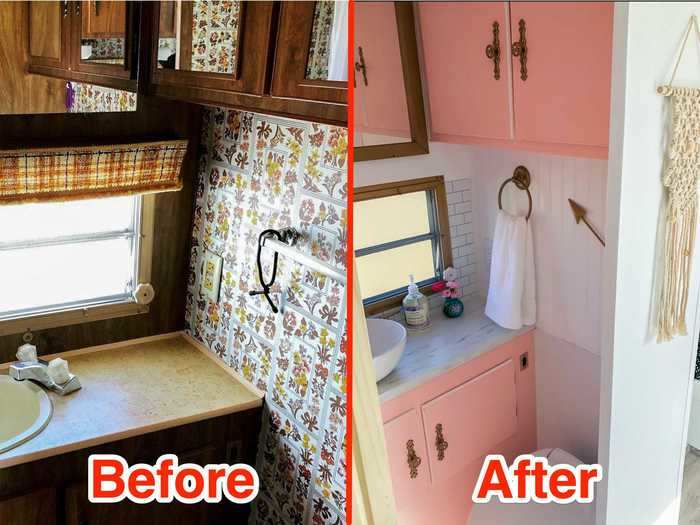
x=412, y=458
x=519, y=49
x=65, y=8
x=493, y=52
x=440, y=443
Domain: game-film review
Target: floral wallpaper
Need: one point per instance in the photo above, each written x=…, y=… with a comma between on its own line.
x=88, y=98
x=215, y=29
x=109, y=50
x=319, y=48
x=259, y=172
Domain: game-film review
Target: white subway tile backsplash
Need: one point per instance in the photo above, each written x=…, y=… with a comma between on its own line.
x=462, y=184
x=454, y=197
x=459, y=209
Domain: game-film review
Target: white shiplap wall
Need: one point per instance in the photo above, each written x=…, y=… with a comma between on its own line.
x=568, y=258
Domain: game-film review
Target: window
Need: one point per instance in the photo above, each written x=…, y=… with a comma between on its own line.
x=68, y=262
x=400, y=229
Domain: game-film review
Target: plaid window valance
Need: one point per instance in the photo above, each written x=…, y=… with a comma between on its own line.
x=70, y=173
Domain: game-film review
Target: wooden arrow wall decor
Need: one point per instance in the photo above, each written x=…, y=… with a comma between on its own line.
x=580, y=215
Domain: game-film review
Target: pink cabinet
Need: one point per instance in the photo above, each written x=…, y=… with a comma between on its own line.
x=487, y=408
x=408, y=459
x=465, y=98
x=566, y=97
x=380, y=105
x=562, y=106
x=484, y=406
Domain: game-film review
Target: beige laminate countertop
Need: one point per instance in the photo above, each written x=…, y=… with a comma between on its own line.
x=133, y=388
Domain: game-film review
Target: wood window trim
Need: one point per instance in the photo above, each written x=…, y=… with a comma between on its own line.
x=87, y=314
x=408, y=45
x=435, y=184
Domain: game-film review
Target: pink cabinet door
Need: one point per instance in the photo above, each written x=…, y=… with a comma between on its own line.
x=408, y=460
x=380, y=106
x=471, y=419
x=465, y=98
x=566, y=96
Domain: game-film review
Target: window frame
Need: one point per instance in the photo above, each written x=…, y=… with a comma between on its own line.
x=98, y=308
x=440, y=219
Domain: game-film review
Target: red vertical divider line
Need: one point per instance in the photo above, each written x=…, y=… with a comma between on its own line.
x=350, y=255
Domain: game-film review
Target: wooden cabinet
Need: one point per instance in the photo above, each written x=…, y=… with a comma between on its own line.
x=49, y=26
x=560, y=105
x=451, y=422
x=34, y=508
x=85, y=41
x=259, y=64
x=103, y=19
x=54, y=490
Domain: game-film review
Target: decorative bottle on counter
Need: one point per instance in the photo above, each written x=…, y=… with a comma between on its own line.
x=415, y=307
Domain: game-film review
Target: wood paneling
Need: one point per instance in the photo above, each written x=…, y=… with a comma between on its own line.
x=45, y=20
x=173, y=216
x=21, y=92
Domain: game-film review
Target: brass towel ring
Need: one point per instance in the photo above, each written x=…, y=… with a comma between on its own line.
x=521, y=178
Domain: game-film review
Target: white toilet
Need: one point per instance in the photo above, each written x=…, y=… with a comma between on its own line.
x=496, y=513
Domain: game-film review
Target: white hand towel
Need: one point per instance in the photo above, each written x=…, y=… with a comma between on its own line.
x=511, y=298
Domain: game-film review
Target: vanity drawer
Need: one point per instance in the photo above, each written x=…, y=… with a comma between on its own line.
x=408, y=459
x=471, y=420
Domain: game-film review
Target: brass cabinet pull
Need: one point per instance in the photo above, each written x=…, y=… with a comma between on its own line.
x=519, y=49
x=493, y=52
x=65, y=8
x=440, y=443
x=77, y=8
x=361, y=66
x=412, y=458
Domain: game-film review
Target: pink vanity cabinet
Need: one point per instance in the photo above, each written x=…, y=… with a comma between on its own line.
x=438, y=433
x=562, y=106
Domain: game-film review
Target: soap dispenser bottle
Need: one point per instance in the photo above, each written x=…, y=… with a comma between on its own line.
x=415, y=307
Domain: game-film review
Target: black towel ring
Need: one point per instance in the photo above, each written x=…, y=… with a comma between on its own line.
x=521, y=178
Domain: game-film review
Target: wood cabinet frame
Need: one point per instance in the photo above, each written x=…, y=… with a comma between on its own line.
x=70, y=67
x=435, y=184
x=408, y=44
x=292, y=56
x=253, y=54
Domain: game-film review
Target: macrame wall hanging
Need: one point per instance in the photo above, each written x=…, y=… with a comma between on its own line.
x=680, y=178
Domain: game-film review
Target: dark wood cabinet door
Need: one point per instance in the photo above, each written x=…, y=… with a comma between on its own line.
x=103, y=19
x=35, y=508
x=311, y=55
x=49, y=28
x=220, y=46
x=102, y=42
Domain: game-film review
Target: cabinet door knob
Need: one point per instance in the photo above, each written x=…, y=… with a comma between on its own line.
x=440, y=443
x=519, y=49
x=493, y=52
x=412, y=458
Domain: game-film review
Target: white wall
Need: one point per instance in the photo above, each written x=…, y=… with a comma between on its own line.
x=645, y=389
x=568, y=265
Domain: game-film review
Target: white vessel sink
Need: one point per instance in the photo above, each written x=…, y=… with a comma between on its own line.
x=387, y=340
x=25, y=409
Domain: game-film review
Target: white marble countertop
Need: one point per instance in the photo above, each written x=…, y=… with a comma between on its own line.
x=447, y=344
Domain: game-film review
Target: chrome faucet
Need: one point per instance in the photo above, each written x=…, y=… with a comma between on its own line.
x=39, y=371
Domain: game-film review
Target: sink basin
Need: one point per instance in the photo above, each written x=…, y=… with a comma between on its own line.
x=387, y=340
x=25, y=409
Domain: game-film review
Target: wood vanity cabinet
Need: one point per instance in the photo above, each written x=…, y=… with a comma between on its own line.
x=260, y=68
x=554, y=98
x=85, y=41
x=54, y=490
x=438, y=433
